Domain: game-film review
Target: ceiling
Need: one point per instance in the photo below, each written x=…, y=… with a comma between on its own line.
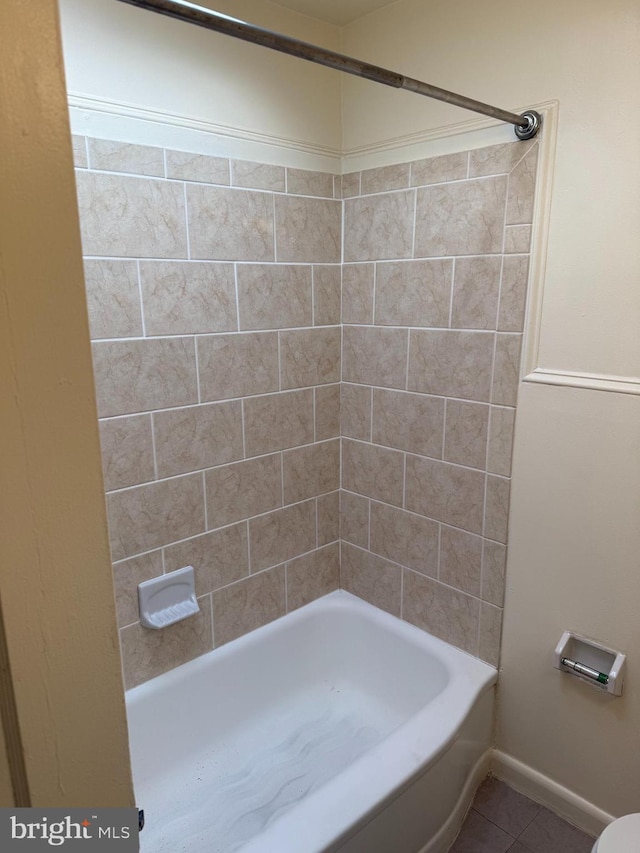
x=338, y=12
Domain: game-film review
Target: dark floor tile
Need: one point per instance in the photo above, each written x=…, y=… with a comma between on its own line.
x=548, y=833
x=479, y=835
x=518, y=848
x=505, y=807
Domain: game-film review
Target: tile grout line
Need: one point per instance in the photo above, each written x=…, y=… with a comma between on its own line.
x=204, y=498
x=142, y=321
x=195, y=352
x=248, y=547
x=247, y=332
x=213, y=631
x=237, y=293
x=153, y=450
x=186, y=220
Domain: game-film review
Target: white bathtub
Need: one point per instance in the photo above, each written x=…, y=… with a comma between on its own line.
x=335, y=728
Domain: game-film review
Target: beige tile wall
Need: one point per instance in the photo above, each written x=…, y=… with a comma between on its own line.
x=434, y=293
x=215, y=309
x=244, y=375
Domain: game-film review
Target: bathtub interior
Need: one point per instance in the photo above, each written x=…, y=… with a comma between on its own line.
x=226, y=744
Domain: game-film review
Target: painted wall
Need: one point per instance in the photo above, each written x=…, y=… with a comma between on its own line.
x=118, y=54
x=62, y=649
x=574, y=518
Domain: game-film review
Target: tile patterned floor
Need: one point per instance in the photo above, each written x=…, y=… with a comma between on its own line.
x=503, y=820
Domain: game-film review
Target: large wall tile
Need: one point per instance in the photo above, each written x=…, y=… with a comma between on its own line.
x=497, y=508
x=490, y=633
x=465, y=440
x=129, y=217
x=460, y=560
x=197, y=437
x=274, y=296
x=372, y=471
x=500, y=440
x=113, y=299
x=436, y=170
x=494, y=559
x=109, y=156
x=328, y=516
x=517, y=239
x=355, y=411
x=497, y=159
x=237, y=365
x=354, y=519
x=197, y=167
x=312, y=470
x=445, y=492
x=312, y=576
x=442, y=611
x=276, y=421
x=308, y=230
x=351, y=184
x=147, y=653
x=404, y=538
x=372, y=578
x=305, y=182
x=230, y=225
x=218, y=558
x=522, y=184
x=186, y=298
x=464, y=218
x=476, y=288
x=309, y=357
x=451, y=363
x=374, y=356
x=506, y=372
x=248, y=605
x=282, y=535
x=385, y=178
x=327, y=295
x=513, y=293
x=126, y=576
x=145, y=517
x=413, y=293
x=243, y=489
x=327, y=407
x=412, y=422
x=137, y=376
x=357, y=293
x=378, y=227
x=127, y=451
x=258, y=176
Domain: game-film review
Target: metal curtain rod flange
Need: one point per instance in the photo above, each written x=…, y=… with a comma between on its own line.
x=526, y=126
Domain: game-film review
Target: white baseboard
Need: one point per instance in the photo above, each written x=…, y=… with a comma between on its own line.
x=543, y=790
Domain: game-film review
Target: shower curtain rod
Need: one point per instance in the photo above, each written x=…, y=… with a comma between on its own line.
x=526, y=125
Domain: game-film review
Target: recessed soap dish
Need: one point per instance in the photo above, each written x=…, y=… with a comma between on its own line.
x=167, y=599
